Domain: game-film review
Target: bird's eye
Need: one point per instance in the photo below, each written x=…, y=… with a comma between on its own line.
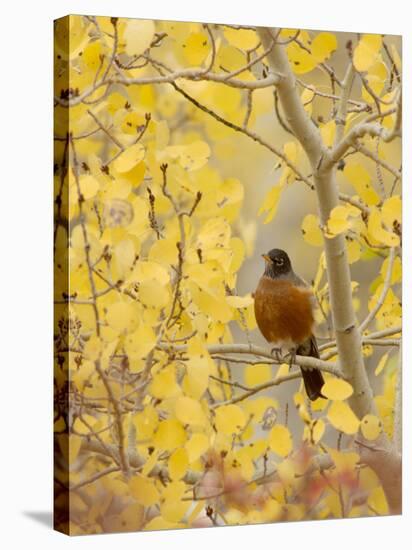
x=279, y=261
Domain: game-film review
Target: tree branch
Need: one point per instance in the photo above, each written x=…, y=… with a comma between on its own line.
x=223, y=349
x=370, y=128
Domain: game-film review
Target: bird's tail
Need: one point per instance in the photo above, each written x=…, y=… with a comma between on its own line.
x=312, y=378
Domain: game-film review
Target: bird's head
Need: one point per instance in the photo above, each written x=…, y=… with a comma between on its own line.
x=277, y=263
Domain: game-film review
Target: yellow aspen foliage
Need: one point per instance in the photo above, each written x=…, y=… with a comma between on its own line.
x=169, y=435
x=311, y=230
x=337, y=389
x=280, y=440
x=183, y=153
x=143, y=490
x=371, y=427
x=189, y=411
x=341, y=416
x=366, y=51
x=178, y=463
x=229, y=419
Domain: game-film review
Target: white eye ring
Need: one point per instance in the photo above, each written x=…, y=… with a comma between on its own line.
x=279, y=261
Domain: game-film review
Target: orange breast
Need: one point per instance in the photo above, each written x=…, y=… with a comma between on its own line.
x=284, y=312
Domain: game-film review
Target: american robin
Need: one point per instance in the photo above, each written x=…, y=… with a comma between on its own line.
x=284, y=310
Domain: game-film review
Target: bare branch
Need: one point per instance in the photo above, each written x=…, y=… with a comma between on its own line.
x=223, y=349
x=370, y=128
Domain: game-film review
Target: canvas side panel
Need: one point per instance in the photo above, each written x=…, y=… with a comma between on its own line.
x=61, y=279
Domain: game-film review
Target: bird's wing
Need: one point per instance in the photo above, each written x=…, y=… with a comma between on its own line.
x=299, y=282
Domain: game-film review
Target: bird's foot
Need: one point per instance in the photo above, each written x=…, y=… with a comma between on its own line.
x=277, y=354
x=292, y=357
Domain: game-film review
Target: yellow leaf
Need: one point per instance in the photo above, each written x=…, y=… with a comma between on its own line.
x=169, y=435
x=301, y=60
x=229, y=419
x=150, y=463
x=344, y=461
x=307, y=97
x=381, y=365
x=231, y=58
x=214, y=233
x=341, y=416
x=366, y=51
x=280, y=440
x=115, y=102
x=143, y=490
x=196, y=48
x=189, y=411
x=317, y=429
x=239, y=301
x=122, y=316
x=131, y=122
x=243, y=39
x=172, y=508
x=257, y=374
x=93, y=348
x=138, y=35
x=323, y=46
x=371, y=427
x=354, y=251
x=377, y=501
x=164, y=251
x=191, y=157
x=286, y=471
x=197, y=445
x=328, y=132
x=312, y=233
x=226, y=99
x=129, y=158
x=270, y=203
x=283, y=370
x=378, y=232
x=131, y=179
x=291, y=151
x=338, y=221
x=368, y=479
x=145, y=422
x=153, y=294
x=91, y=55
x=88, y=186
x=337, y=389
x=147, y=271
x=361, y=180
x=124, y=254
x=392, y=211
x=376, y=78
x=137, y=345
x=178, y=464
x=164, y=383
x=214, y=306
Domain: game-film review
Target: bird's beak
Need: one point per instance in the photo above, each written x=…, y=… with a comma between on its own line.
x=266, y=257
